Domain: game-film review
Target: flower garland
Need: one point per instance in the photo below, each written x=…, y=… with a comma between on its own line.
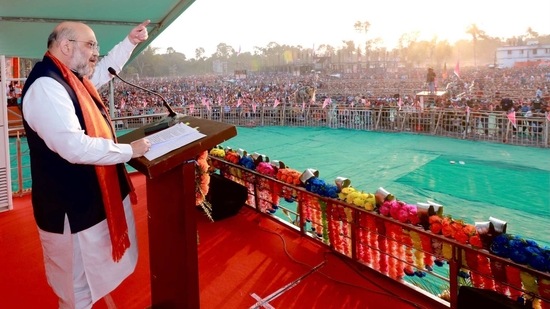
x=334, y=236
x=499, y=274
x=409, y=256
x=382, y=244
x=470, y=259
x=455, y=229
x=346, y=231
x=373, y=253
x=395, y=259
x=363, y=235
x=339, y=229
x=484, y=268
x=320, y=187
x=418, y=253
x=360, y=199
x=291, y=177
x=268, y=185
x=202, y=183
x=426, y=244
x=401, y=211
x=218, y=153
x=521, y=251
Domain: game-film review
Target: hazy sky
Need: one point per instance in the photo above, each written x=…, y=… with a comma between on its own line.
x=310, y=23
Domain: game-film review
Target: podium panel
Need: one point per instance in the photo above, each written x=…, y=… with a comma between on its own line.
x=171, y=210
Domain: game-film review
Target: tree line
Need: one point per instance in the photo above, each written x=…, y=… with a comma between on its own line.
x=409, y=53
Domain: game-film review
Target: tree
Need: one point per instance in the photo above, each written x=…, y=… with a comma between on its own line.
x=476, y=34
x=199, y=53
x=223, y=51
x=532, y=34
x=363, y=27
x=145, y=62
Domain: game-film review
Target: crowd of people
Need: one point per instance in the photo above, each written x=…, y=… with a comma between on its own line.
x=479, y=88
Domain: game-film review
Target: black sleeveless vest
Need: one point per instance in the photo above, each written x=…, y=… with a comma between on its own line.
x=58, y=186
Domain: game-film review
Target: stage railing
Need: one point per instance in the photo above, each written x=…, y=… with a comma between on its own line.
x=412, y=255
x=493, y=127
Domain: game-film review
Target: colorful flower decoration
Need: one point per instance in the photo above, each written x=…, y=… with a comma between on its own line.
x=521, y=251
x=405, y=213
x=289, y=176
x=248, y=162
x=360, y=199
x=266, y=168
x=320, y=187
x=232, y=156
x=202, y=183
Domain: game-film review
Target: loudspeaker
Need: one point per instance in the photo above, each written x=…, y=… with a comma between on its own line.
x=226, y=197
x=472, y=298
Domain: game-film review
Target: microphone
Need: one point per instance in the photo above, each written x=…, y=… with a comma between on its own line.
x=171, y=112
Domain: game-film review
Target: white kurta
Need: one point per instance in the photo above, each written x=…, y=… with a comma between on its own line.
x=80, y=264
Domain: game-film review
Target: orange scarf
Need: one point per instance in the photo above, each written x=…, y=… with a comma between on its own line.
x=98, y=125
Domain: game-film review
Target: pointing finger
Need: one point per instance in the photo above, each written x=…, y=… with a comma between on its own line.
x=145, y=23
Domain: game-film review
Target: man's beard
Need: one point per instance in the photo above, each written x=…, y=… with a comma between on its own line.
x=81, y=65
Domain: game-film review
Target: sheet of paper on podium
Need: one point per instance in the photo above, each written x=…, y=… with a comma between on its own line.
x=171, y=138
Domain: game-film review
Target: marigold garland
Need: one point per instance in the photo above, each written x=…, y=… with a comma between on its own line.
x=409, y=256
x=426, y=242
x=422, y=251
x=346, y=231
x=202, y=183
x=470, y=257
x=382, y=244
x=499, y=274
x=529, y=282
x=484, y=268
x=334, y=229
x=364, y=252
x=417, y=246
x=373, y=242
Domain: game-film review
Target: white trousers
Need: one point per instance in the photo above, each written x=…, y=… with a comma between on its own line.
x=80, y=268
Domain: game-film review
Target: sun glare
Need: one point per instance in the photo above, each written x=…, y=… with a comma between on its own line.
x=250, y=23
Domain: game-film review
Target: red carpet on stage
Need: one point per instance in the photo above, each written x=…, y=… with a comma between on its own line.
x=238, y=256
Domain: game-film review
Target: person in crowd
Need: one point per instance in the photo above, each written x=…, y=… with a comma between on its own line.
x=81, y=190
x=430, y=79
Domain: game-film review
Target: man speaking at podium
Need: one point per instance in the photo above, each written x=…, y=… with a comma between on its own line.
x=80, y=189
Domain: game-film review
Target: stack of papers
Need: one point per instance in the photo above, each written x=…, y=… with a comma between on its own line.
x=170, y=139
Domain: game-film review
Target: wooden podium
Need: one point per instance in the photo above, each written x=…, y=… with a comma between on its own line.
x=172, y=214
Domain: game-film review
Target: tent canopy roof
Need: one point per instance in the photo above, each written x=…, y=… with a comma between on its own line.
x=26, y=24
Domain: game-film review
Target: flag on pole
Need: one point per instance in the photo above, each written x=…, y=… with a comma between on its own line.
x=400, y=103
x=254, y=107
x=239, y=102
x=457, y=69
x=276, y=103
x=512, y=117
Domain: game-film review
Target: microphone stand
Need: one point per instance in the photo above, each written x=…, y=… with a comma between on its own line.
x=168, y=121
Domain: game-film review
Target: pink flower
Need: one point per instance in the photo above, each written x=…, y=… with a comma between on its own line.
x=385, y=209
x=395, y=206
